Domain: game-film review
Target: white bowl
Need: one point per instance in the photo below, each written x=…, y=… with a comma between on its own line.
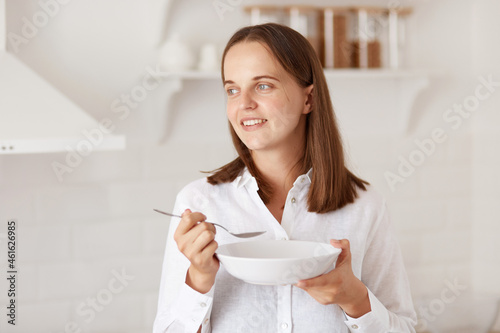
x=277, y=262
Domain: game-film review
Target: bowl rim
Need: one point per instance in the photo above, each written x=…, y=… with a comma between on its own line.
x=335, y=251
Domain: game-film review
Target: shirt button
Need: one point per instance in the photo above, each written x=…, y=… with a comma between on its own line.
x=206, y=321
x=203, y=304
x=284, y=326
x=302, y=180
x=354, y=326
x=293, y=200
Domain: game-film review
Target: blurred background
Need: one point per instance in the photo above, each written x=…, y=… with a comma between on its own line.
x=89, y=248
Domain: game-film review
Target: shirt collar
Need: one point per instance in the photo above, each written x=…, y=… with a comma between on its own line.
x=304, y=179
x=245, y=178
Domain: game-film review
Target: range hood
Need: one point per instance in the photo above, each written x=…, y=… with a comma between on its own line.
x=37, y=118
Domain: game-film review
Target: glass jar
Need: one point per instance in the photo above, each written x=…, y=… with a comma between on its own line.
x=396, y=36
x=366, y=31
x=337, y=48
x=307, y=21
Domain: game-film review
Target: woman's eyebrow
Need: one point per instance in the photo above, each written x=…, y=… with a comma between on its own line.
x=265, y=77
x=256, y=78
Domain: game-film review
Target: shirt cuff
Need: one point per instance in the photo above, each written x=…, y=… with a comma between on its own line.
x=375, y=321
x=194, y=308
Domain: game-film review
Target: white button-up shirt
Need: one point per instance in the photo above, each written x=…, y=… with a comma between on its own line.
x=234, y=306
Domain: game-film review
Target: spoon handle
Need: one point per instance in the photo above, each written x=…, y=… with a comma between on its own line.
x=170, y=214
x=242, y=235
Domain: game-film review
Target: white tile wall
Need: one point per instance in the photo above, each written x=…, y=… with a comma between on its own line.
x=29, y=279
x=120, y=304
x=458, y=212
x=426, y=280
x=107, y=166
x=440, y=182
x=53, y=243
x=411, y=248
x=92, y=240
x=62, y=204
x=486, y=180
x=43, y=316
x=18, y=203
x=155, y=229
x=150, y=301
x=72, y=279
x=450, y=247
x=138, y=197
x=419, y=216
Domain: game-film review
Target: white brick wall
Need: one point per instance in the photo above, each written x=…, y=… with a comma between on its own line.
x=43, y=316
x=18, y=202
x=418, y=216
x=105, y=239
x=486, y=213
x=486, y=179
x=62, y=204
x=131, y=304
x=53, y=243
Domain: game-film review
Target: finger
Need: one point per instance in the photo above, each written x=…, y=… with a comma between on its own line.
x=316, y=282
x=208, y=253
x=203, y=235
x=201, y=253
x=188, y=221
x=340, y=244
x=345, y=246
x=180, y=230
x=197, y=239
x=185, y=237
x=209, y=226
x=186, y=211
x=207, y=261
x=325, y=279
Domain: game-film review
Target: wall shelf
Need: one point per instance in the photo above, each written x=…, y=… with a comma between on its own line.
x=329, y=73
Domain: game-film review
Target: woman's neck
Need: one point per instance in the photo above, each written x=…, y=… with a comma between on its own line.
x=279, y=168
x=280, y=171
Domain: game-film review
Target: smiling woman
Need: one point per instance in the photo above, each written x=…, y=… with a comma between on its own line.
x=289, y=179
x=267, y=112
x=293, y=76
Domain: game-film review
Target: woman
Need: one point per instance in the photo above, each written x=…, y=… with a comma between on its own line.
x=290, y=179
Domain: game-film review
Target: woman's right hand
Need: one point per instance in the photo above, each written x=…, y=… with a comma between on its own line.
x=196, y=240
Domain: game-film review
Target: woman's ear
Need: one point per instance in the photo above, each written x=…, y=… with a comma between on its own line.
x=309, y=99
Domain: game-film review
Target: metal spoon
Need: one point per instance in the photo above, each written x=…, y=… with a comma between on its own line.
x=241, y=235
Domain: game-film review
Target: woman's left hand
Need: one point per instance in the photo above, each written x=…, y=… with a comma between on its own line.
x=340, y=286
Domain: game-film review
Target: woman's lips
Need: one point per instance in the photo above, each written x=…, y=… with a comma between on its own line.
x=253, y=124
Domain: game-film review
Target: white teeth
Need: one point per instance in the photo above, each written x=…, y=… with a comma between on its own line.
x=254, y=122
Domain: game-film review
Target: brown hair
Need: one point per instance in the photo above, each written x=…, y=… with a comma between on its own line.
x=332, y=184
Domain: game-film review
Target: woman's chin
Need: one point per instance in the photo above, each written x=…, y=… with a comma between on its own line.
x=252, y=143
x=254, y=147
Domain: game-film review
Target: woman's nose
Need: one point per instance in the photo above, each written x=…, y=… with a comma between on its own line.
x=247, y=101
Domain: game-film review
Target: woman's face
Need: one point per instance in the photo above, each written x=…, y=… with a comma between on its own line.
x=265, y=105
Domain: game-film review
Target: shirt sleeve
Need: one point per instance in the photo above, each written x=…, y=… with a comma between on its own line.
x=385, y=277
x=180, y=308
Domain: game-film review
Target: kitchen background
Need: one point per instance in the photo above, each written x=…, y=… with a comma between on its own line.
x=89, y=246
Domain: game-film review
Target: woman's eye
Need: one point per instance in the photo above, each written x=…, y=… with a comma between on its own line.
x=231, y=91
x=264, y=86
